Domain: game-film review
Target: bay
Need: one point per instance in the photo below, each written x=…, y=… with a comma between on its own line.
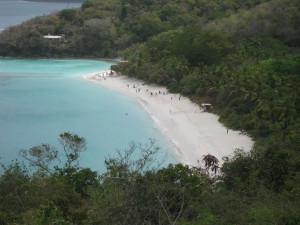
x=41, y=98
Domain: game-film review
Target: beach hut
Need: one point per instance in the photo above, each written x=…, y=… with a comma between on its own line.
x=206, y=106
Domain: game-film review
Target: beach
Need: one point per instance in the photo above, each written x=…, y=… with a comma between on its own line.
x=191, y=131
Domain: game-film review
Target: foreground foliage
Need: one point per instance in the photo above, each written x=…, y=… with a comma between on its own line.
x=139, y=190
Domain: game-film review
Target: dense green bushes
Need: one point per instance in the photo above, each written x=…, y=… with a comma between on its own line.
x=250, y=190
x=106, y=28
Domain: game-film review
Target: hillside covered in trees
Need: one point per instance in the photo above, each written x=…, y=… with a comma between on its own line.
x=240, y=55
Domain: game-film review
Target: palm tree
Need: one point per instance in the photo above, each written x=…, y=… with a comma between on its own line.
x=211, y=162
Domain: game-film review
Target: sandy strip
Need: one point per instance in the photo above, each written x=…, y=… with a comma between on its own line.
x=192, y=132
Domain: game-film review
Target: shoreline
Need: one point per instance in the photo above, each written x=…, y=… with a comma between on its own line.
x=191, y=131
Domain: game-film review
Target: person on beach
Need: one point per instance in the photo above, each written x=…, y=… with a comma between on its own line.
x=227, y=131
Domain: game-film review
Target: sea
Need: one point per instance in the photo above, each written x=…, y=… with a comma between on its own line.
x=14, y=12
x=42, y=98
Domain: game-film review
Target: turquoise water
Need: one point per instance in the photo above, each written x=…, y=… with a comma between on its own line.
x=41, y=98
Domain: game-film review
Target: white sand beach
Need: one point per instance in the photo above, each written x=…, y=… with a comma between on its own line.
x=192, y=132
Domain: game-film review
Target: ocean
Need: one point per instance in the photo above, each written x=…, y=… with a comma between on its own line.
x=13, y=12
x=42, y=98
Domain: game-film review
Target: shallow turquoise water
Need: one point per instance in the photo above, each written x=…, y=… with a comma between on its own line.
x=41, y=98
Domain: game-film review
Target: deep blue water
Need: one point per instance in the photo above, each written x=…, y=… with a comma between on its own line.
x=41, y=98
x=13, y=12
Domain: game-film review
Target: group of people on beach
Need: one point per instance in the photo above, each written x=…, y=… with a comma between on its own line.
x=159, y=92
x=103, y=75
x=153, y=93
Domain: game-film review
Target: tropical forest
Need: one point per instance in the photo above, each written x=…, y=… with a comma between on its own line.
x=243, y=56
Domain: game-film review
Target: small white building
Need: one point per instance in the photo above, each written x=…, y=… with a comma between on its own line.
x=49, y=36
x=206, y=106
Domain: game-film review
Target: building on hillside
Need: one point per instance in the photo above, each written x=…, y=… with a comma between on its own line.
x=55, y=37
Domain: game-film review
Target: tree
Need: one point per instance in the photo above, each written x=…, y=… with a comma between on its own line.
x=199, y=46
x=79, y=179
x=140, y=191
x=239, y=172
x=119, y=202
x=45, y=214
x=148, y=25
x=44, y=156
x=211, y=162
x=40, y=156
x=66, y=187
x=70, y=15
x=73, y=145
x=97, y=35
x=14, y=184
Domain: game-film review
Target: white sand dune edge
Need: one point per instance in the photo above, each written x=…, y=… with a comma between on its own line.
x=192, y=132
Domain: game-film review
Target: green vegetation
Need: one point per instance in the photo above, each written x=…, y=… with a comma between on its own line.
x=241, y=56
x=140, y=191
x=105, y=28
